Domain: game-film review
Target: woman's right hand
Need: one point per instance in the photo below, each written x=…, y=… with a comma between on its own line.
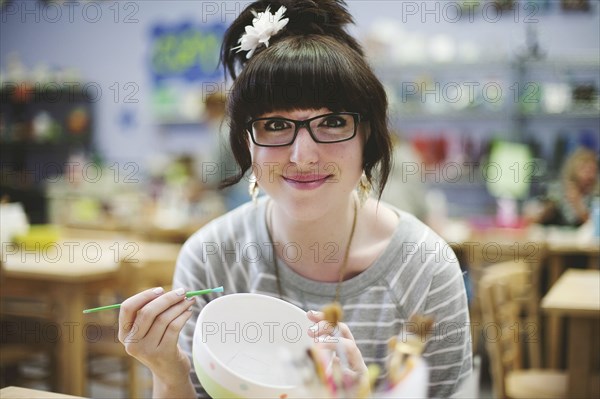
x=149, y=327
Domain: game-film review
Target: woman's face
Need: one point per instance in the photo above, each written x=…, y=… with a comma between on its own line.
x=307, y=179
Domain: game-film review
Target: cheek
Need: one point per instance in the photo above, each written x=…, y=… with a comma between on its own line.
x=350, y=160
x=266, y=162
x=258, y=155
x=357, y=153
x=261, y=155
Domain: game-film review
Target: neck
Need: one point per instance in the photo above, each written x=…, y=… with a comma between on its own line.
x=320, y=243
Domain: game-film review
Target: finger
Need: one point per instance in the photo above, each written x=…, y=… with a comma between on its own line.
x=326, y=328
x=147, y=314
x=171, y=335
x=149, y=350
x=353, y=355
x=164, y=320
x=132, y=305
x=329, y=342
x=321, y=328
x=345, y=331
x=315, y=316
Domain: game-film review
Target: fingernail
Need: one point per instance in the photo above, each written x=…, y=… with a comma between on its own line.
x=180, y=291
x=158, y=290
x=314, y=328
x=191, y=299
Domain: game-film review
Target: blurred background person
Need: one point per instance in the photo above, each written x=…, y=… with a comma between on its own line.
x=569, y=200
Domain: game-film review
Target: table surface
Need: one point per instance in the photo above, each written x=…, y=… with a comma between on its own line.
x=80, y=260
x=576, y=293
x=65, y=260
x=68, y=272
x=26, y=393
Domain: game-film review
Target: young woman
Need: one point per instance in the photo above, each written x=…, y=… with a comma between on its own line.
x=568, y=201
x=578, y=187
x=308, y=118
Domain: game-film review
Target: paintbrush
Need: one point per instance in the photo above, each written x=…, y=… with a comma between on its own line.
x=403, y=349
x=334, y=314
x=188, y=294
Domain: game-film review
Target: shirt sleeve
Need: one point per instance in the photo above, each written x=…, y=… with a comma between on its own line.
x=448, y=350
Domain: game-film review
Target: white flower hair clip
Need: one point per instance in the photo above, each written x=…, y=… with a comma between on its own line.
x=264, y=26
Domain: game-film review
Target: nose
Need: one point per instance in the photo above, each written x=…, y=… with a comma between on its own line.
x=304, y=150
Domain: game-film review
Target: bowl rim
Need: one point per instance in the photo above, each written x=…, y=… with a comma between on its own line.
x=218, y=360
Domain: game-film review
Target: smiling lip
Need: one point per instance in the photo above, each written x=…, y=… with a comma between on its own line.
x=306, y=182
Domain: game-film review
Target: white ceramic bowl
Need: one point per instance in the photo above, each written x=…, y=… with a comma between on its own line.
x=239, y=342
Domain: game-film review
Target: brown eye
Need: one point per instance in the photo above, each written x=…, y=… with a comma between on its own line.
x=333, y=121
x=276, y=125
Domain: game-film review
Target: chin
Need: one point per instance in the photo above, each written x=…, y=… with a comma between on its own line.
x=303, y=208
x=308, y=208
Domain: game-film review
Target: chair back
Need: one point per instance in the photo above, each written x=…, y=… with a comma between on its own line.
x=497, y=251
x=502, y=294
x=26, y=320
x=498, y=246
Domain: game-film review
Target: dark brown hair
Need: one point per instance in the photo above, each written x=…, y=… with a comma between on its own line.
x=311, y=63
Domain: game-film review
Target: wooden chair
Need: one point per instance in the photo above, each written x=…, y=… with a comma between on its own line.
x=495, y=253
x=22, y=320
x=527, y=299
x=501, y=296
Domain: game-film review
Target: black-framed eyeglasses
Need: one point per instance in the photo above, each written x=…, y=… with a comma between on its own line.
x=334, y=127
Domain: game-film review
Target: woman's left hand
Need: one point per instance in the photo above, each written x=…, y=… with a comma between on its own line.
x=328, y=336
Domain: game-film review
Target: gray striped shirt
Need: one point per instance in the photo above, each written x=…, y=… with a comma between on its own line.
x=417, y=273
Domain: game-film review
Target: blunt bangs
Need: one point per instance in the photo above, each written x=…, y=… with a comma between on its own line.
x=309, y=72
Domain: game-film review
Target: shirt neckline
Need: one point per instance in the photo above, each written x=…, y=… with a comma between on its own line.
x=350, y=287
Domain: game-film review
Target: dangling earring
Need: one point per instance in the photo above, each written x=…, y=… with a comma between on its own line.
x=364, y=189
x=253, y=188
